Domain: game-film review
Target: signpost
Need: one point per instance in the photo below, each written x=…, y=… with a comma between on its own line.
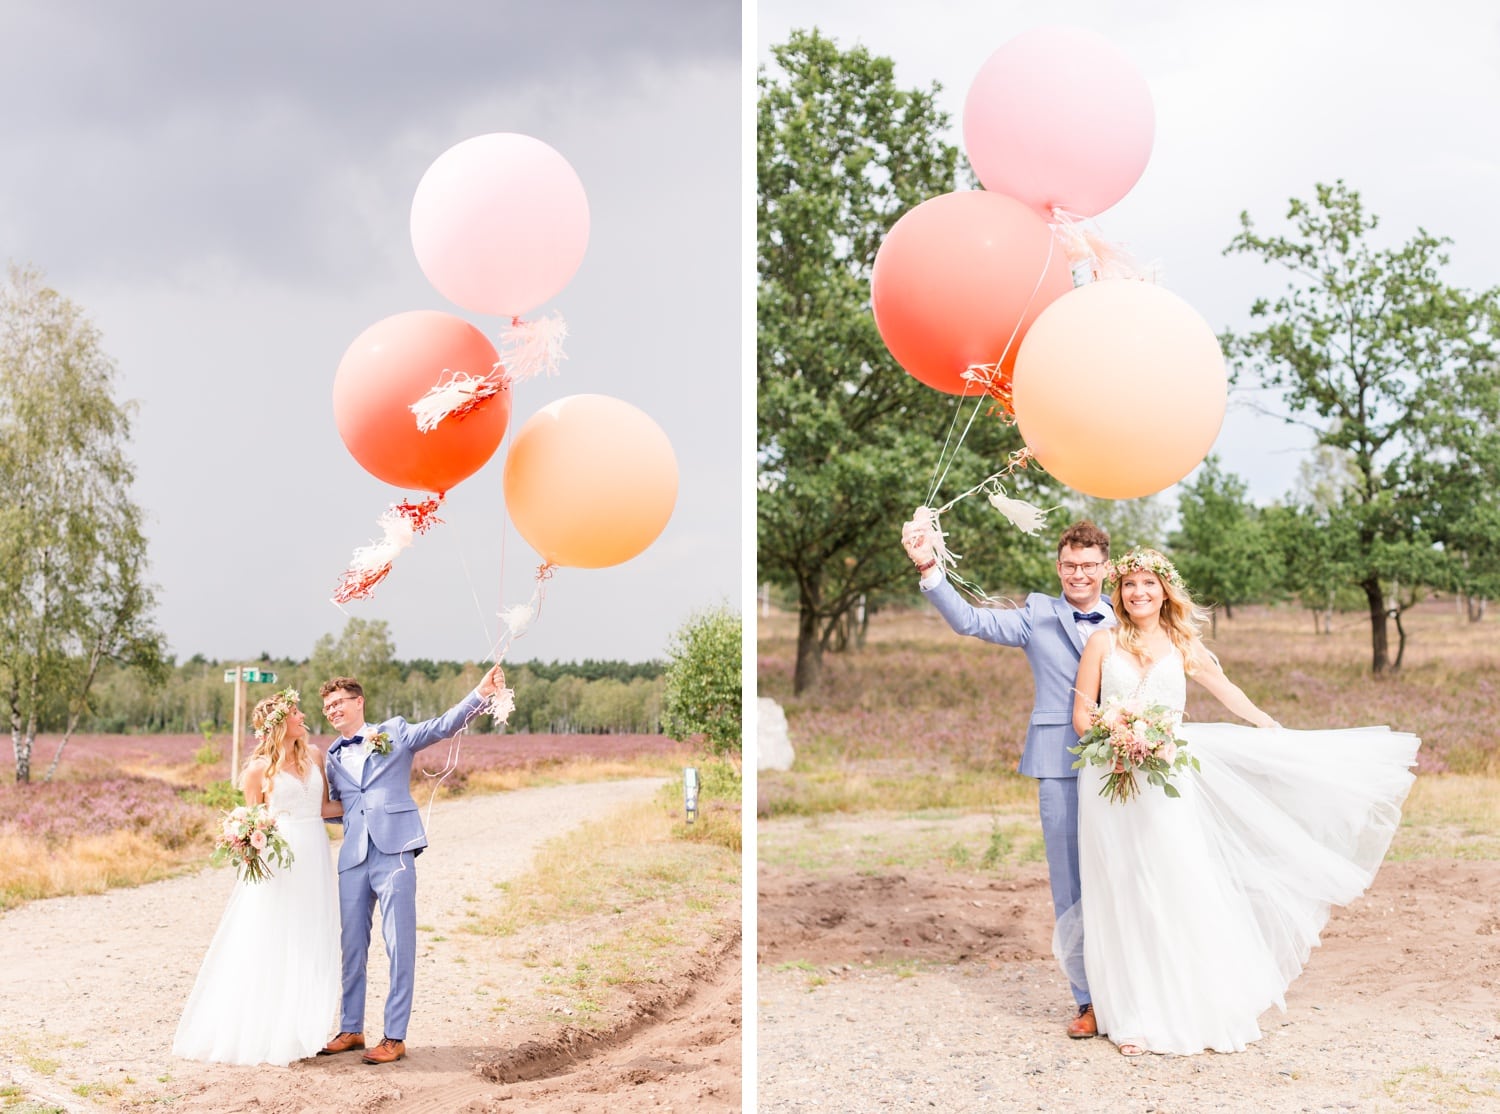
x=239, y=678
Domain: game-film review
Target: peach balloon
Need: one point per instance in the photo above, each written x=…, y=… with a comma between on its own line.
x=391, y=365
x=958, y=280
x=590, y=481
x=1120, y=389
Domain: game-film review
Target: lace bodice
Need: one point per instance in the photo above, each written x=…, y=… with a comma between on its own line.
x=1162, y=683
x=298, y=798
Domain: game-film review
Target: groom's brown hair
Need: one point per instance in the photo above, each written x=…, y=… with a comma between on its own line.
x=345, y=684
x=1083, y=534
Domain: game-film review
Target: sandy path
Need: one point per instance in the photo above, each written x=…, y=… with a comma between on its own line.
x=96, y=984
x=933, y=990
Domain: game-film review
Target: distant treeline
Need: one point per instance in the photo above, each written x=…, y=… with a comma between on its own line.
x=587, y=697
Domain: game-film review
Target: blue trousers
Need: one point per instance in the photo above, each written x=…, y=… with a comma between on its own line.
x=390, y=880
x=1058, y=799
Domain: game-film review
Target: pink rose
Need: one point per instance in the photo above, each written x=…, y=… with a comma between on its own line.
x=1169, y=751
x=258, y=840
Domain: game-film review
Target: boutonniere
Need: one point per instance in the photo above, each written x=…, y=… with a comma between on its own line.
x=380, y=743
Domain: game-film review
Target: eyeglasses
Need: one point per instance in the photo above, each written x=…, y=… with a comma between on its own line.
x=328, y=708
x=1088, y=568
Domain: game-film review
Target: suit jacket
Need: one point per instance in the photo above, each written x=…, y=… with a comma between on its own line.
x=378, y=807
x=1045, y=630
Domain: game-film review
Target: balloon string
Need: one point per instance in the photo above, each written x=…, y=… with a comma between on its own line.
x=941, y=469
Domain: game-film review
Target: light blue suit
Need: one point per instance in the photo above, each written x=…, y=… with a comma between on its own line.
x=1047, y=633
x=383, y=834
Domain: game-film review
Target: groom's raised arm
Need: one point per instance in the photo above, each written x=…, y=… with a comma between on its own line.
x=419, y=736
x=1010, y=626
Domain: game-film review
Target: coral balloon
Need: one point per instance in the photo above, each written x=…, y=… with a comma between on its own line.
x=499, y=223
x=1059, y=117
x=590, y=481
x=390, y=366
x=1120, y=389
x=958, y=280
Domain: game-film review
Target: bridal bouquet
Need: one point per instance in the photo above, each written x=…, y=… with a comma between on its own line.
x=249, y=839
x=1125, y=736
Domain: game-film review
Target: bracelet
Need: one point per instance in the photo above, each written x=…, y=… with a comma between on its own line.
x=927, y=567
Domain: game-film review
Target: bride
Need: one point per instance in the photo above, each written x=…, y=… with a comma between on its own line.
x=268, y=989
x=1201, y=909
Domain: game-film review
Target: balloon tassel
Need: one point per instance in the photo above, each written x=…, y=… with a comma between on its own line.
x=531, y=347
x=1022, y=515
x=518, y=618
x=371, y=564
x=1093, y=257
x=502, y=704
x=995, y=382
x=456, y=395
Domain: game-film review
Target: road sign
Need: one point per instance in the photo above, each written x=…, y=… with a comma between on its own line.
x=252, y=676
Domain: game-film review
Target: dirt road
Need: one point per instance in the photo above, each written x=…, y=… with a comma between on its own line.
x=927, y=989
x=91, y=989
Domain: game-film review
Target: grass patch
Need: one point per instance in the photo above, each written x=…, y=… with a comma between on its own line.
x=30, y=869
x=616, y=902
x=1450, y=816
x=811, y=789
x=879, y=843
x=1431, y=1087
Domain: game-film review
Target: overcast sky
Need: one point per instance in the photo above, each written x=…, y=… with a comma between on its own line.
x=1255, y=103
x=226, y=190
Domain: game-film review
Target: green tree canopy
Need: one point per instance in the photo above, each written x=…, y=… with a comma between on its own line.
x=1378, y=356
x=1220, y=547
x=73, y=583
x=702, y=693
x=847, y=442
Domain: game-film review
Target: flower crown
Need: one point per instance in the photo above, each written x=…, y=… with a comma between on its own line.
x=285, y=700
x=1146, y=560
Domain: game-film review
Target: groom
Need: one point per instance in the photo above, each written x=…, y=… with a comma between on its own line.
x=369, y=770
x=1051, y=630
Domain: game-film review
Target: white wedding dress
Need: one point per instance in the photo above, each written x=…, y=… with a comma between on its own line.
x=1198, y=911
x=268, y=990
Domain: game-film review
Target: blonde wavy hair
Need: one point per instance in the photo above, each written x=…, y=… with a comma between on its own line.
x=1181, y=618
x=269, y=721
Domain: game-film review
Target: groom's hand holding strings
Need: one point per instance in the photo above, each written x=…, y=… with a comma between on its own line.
x=493, y=681
x=916, y=537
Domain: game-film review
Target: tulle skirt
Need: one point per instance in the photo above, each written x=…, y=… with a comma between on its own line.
x=1198, y=911
x=268, y=990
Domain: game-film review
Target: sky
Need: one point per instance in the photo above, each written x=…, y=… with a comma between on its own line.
x=226, y=192
x=1255, y=103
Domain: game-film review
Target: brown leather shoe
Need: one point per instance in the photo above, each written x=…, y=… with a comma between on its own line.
x=386, y=1052
x=344, y=1042
x=1083, y=1026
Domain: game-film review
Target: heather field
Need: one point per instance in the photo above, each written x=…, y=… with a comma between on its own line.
x=921, y=702
x=126, y=809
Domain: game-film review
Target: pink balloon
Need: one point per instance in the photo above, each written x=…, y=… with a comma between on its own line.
x=1120, y=389
x=500, y=223
x=1059, y=118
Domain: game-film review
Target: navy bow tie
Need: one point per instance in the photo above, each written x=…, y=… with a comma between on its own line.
x=354, y=740
x=1091, y=617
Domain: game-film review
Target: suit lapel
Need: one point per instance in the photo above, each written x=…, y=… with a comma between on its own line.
x=1065, y=617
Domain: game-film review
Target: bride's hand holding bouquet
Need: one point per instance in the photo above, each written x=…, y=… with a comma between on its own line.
x=1126, y=736
x=250, y=840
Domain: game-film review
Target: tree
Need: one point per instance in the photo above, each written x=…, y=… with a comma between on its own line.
x=73, y=565
x=845, y=437
x=1372, y=352
x=702, y=692
x=364, y=651
x=1219, y=547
